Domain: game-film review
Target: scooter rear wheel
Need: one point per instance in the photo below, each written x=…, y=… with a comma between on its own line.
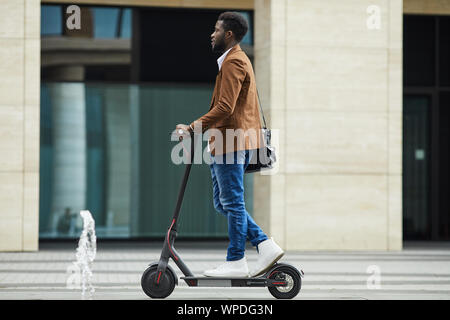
x=161, y=290
x=293, y=279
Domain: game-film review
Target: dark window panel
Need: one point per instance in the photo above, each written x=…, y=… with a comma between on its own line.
x=419, y=50
x=416, y=158
x=444, y=51
x=107, y=73
x=175, y=45
x=444, y=165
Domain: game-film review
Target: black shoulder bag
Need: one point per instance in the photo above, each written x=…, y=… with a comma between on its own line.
x=264, y=157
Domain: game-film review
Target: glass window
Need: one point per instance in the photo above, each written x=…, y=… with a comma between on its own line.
x=426, y=73
x=179, y=58
x=125, y=27
x=106, y=148
x=248, y=38
x=416, y=158
x=85, y=55
x=419, y=50
x=51, y=20
x=105, y=22
x=444, y=51
x=105, y=143
x=444, y=161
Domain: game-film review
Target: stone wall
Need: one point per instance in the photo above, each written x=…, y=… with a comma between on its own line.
x=19, y=124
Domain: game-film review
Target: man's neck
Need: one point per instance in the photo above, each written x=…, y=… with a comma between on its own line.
x=230, y=45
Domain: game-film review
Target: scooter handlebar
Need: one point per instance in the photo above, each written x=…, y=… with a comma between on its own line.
x=180, y=133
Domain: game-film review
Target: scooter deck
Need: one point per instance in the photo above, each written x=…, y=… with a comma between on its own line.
x=232, y=282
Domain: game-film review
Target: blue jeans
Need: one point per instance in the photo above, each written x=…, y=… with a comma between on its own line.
x=227, y=172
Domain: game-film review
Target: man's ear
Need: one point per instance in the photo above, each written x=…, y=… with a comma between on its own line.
x=228, y=34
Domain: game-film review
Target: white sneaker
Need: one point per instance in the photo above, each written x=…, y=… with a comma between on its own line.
x=230, y=269
x=268, y=253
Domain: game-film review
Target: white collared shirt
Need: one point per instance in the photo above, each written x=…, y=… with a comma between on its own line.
x=222, y=57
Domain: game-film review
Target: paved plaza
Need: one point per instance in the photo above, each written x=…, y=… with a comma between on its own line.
x=419, y=271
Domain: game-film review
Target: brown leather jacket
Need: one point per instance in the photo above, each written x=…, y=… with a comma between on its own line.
x=234, y=106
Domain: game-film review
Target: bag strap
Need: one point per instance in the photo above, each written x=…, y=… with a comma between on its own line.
x=262, y=112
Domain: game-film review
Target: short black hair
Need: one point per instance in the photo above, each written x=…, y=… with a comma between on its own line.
x=235, y=22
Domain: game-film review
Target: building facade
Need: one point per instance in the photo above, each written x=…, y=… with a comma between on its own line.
x=359, y=168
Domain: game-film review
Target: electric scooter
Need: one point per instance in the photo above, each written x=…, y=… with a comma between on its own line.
x=159, y=279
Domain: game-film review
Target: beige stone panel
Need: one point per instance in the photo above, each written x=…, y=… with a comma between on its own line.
x=278, y=72
x=33, y=19
x=278, y=210
x=150, y=3
x=262, y=24
x=270, y=73
x=31, y=211
x=32, y=71
x=395, y=24
x=269, y=205
x=219, y=4
x=337, y=79
x=233, y=4
x=12, y=70
x=336, y=23
x=278, y=25
x=426, y=7
x=395, y=143
x=276, y=122
x=32, y=138
x=270, y=21
x=337, y=99
x=11, y=233
x=331, y=142
x=261, y=201
x=395, y=224
x=12, y=14
x=336, y=212
x=395, y=80
x=11, y=138
x=11, y=195
x=262, y=68
x=276, y=118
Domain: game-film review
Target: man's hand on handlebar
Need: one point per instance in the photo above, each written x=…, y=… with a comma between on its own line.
x=183, y=130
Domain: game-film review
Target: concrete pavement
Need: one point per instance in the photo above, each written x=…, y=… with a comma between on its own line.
x=420, y=271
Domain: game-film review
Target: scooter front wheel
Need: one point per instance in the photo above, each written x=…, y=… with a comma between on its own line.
x=291, y=276
x=163, y=288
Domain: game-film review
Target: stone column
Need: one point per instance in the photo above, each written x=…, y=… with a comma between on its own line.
x=330, y=79
x=19, y=124
x=69, y=149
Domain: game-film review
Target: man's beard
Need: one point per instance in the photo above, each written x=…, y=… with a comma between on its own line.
x=219, y=46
